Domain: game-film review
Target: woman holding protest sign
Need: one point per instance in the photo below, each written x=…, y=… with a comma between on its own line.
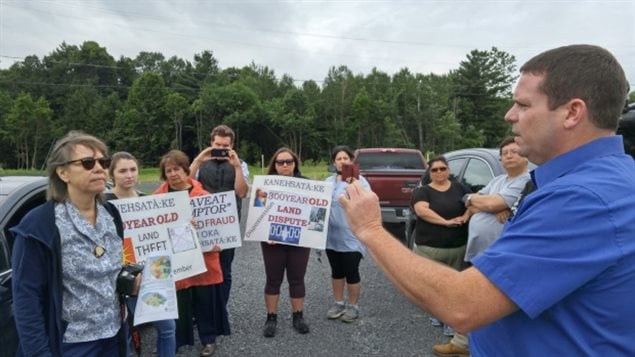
x=281, y=257
x=124, y=172
x=343, y=250
x=199, y=296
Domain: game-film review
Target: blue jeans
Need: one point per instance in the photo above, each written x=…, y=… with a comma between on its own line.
x=166, y=333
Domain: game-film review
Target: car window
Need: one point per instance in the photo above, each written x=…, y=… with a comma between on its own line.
x=389, y=160
x=7, y=238
x=456, y=165
x=477, y=174
x=4, y=253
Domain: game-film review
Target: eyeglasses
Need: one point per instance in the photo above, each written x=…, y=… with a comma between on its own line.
x=437, y=169
x=284, y=162
x=89, y=162
x=508, y=152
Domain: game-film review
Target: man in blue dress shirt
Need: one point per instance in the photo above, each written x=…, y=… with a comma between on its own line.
x=560, y=281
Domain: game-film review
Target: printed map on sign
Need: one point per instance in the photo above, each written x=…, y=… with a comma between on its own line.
x=289, y=210
x=157, y=297
x=182, y=238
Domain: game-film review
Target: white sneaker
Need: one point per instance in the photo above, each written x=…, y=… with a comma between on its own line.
x=351, y=313
x=336, y=311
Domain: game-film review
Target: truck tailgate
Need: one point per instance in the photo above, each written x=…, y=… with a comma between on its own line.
x=394, y=187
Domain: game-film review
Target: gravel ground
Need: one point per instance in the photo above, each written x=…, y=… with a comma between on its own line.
x=389, y=325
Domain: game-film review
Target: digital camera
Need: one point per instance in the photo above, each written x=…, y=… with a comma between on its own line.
x=126, y=278
x=220, y=152
x=350, y=171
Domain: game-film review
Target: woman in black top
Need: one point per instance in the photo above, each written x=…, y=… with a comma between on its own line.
x=441, y=229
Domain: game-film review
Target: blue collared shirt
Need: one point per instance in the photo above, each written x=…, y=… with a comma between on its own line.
x=567, y=260
x=340, y=238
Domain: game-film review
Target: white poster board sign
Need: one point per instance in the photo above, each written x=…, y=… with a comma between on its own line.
x=162, y=225
x=289, y=210
x=216, y=220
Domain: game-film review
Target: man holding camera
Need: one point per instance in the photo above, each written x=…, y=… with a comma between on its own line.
x=219, y=169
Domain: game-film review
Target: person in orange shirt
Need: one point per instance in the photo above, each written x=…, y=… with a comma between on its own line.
x=199, y=296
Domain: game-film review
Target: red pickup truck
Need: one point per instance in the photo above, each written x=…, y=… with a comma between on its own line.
x=393, y=174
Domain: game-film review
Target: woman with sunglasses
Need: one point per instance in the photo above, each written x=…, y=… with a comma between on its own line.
x=124, y=172
x=281, y=257
x=66, y=259
x=441, y=229
x=199, y=296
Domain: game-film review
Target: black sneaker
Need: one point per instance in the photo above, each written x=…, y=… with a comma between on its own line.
x=299, y=324
x=270, y=325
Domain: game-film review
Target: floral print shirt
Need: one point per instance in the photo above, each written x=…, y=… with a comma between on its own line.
x=91, y=261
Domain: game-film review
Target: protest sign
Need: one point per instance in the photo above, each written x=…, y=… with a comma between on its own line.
x=289, y=210
x=216, y=220
x=162, y=224
x=157, y=297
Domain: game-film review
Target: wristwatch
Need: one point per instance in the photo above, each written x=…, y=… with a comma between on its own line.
x=468, y=200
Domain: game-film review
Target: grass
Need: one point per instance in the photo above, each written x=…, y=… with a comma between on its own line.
x=151, y=175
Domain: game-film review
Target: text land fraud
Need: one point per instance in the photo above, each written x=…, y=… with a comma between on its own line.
x=216, y=220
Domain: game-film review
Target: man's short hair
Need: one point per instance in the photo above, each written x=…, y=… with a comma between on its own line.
x=223, y=130
x=508, y=140
x=587, y=72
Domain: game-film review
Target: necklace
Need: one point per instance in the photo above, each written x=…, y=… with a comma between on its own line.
x=99, y=250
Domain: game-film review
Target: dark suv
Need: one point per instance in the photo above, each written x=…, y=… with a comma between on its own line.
x=18, y=195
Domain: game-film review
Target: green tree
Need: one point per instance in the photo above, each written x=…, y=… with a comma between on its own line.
x=178, y=108
x=293, y=119
x=483, y=91
x=77, y=110
x=143, y=127
x=380, y=128
x=235, y=105
x=28, y=125
x=6, y=144
x=337, y=97
x=149, y=62
x=198, y=108
x=206, y=68
x=407, y=98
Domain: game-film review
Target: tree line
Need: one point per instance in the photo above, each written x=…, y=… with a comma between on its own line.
x=149, y=104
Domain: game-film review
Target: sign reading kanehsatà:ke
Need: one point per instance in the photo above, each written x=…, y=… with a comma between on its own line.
x=289, y=210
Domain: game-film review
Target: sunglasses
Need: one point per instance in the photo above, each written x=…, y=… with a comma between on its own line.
x=284, y=162
x=89, y=162
x=437, y=169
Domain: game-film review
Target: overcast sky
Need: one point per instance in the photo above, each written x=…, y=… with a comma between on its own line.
x=305, y=38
